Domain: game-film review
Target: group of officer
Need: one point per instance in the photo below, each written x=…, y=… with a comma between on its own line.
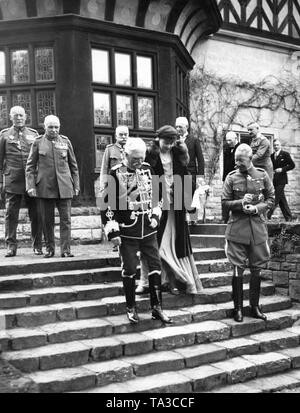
x=43, y=171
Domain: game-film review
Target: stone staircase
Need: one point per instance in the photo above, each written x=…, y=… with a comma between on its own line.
x=64, y=328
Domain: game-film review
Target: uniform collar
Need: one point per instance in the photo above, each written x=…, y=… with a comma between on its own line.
x=18, y=129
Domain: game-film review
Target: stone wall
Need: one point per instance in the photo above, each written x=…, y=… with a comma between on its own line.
x=234, y=59
x=85, y=226
x=284, y=267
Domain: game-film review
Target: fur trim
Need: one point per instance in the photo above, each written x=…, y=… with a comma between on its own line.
x=180, y=152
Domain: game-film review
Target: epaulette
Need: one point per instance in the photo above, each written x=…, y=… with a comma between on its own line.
x=114, y=168
x=146, y=164
x=64, y=137
x=40, y=136
x=109, y=145
x=232, y=172
x=260, y=169
x=4, y=130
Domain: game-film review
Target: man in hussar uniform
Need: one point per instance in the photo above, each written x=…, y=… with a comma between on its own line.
x=15, y=144
x=130, y=221
x=248, y=193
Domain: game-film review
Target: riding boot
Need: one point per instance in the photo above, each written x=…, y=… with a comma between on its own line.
x=156, y=298
x=254, y=293
x=129, y=289
x=237, y=294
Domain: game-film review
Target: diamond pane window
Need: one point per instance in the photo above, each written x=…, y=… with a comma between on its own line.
x=144, y=72
x=124, y=110
x=3, y=111
x=100, y=66
x=102, y=109
x=45, y=103
x=23, y=99
x=123, y=69
x=20, y=66
x=44, y=64
x=2, y=67
x=146, y=113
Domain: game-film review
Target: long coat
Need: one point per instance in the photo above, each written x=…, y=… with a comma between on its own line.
x=241, y=226
x=261, y=148
x=14, y=150
x=196, y=163
x=52, y=168
x=286, y=163
x=180, y=161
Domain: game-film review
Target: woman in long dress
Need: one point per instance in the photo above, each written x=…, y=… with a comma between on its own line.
x=169, y=158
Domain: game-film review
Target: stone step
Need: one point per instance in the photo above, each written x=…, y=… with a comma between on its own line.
x=109, y=292
x=208, y=254
x=20, y=265
x=87, y=277
x=82, y=351
x=72, y=330
x=27, y=317
x=208, y=229
x=207, y=241
x=99, y=374
x=218, y=265
x=205, y=377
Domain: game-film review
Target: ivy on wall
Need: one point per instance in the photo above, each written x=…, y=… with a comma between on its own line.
x=217, y=103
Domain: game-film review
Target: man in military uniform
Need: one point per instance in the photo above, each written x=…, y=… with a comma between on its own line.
x=113, y=154
x=247, y=193
x=15, y=144
x=261, y=149
x=131, y=223
x=52, y=176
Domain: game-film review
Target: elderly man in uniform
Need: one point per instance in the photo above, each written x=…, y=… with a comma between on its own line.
x=248, y=192
x=52, y=176
x=131, y=222
x=261, y=149
x=113, y=154
x=15, y=144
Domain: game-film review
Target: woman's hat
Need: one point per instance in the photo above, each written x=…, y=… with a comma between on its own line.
x=167, y=132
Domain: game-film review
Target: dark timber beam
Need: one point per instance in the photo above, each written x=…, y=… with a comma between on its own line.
x=71, y=6
x=31, y=8
x=174, y=15
x=110, y=10
x=141, y=14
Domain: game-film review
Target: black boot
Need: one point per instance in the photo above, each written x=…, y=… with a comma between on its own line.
x=254, y=293
x=237, y=294
x=156, y=299
x=129, y=289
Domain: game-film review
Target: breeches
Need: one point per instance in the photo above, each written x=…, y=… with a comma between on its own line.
x=242, y=255
x=149, y=251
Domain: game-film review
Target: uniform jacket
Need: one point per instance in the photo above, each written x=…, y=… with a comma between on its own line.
x=52, y=168
x=113, y=155
x=262, y=153
x=242, y=226
x=285, y=162
x=14, y=150
x=127, y=205
x=180, y=161
x=196, y=163
x=229, y=160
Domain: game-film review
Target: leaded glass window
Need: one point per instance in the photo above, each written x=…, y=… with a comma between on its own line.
x=123, y=69
x=45, y=103
x=23, y=99
x=102, y=109
x=20, y=66
x=145, y=113
x=100, y=66
x=3, y=111
x=44, y=64
x=124, y=110
x=101, y=143
x=144, y=72
x=2, y=67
